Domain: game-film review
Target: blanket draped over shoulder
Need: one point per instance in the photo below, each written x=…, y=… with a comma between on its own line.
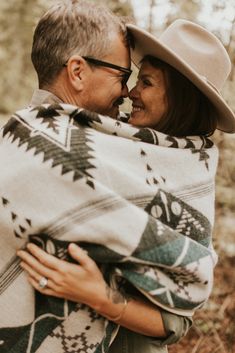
x=141, y=202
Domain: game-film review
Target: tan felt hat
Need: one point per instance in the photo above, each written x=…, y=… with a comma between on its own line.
x=197, y=54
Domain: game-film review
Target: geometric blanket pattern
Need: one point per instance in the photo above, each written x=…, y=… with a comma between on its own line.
x=139, y=201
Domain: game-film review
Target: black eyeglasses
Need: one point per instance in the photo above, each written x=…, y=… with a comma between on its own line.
x=126, y=72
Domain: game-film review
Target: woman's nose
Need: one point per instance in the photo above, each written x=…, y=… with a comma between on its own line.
x=125, y=92
x=133, y=93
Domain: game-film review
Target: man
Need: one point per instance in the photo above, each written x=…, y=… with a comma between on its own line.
x=81, y=57
x=86, y=64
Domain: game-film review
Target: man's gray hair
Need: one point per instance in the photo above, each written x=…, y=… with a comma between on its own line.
x=72, y=27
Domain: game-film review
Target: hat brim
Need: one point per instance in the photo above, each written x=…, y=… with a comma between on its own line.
x=147, y=44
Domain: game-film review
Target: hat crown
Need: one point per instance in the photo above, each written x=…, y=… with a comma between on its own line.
x=199, y=49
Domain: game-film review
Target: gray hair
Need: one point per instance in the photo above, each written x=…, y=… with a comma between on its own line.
x=72, y=27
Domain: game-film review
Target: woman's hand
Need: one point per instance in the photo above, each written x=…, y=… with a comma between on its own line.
x=82, y=282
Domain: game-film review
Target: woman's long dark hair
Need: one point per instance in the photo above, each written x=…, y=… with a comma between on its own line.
x=189, y=111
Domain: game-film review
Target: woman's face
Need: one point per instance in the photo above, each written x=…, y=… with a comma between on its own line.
x=148, y=97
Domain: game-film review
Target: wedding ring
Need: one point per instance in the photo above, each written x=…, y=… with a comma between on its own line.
x=42, y=283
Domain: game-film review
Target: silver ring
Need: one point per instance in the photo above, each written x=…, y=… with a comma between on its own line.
x=42, y=283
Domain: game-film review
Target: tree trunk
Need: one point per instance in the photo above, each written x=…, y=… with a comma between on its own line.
x=151, y=17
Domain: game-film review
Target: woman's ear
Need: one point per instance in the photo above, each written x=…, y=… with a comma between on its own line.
x=76, y=70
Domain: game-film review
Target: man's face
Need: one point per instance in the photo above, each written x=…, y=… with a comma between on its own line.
x=103, y=89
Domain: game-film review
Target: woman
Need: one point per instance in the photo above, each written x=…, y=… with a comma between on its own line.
x=176, y=94
x=191, y=66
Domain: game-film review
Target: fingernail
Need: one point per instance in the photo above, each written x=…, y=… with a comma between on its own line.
x=72, y=245
x=84, y=250
x=30, y=246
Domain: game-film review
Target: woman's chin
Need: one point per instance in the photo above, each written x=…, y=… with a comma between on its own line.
x=131, y=121
x=135, y=119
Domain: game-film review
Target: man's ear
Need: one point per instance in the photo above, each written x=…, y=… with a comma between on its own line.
x=76, y=70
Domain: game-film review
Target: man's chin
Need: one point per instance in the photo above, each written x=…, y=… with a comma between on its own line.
x=114, y=112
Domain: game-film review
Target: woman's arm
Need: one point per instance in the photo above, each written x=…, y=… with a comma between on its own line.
x=84, y=283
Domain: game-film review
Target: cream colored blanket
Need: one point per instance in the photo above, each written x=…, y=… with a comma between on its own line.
x=140, y=202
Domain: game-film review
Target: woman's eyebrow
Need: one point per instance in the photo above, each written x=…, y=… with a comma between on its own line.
x=145, y=76
x=155, y=79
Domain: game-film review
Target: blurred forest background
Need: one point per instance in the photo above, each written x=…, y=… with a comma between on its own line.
x=214, y=328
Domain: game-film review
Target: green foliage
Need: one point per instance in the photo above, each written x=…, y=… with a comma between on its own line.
x=121, y=7
x=188, y=10
x=17, y=20
x=225, y=183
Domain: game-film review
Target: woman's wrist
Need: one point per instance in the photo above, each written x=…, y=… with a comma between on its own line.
x=112, y=306
x=133, y=313
x=118, y=317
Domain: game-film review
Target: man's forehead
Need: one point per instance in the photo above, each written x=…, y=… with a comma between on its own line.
x=119, y=52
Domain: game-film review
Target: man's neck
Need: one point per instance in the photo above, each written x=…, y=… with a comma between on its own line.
x=41, y=96
x=61, y=90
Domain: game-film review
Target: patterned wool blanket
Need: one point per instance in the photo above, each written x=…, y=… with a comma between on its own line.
x=140, y=202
